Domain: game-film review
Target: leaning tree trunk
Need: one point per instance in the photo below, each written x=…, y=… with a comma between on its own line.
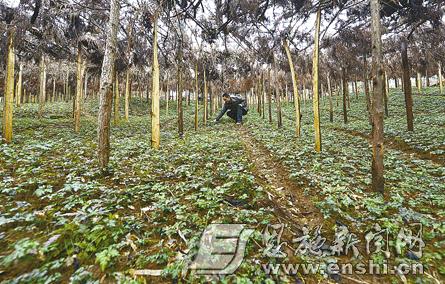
x=9, y=88
x=106, y=86
x=295, y=89
x=42, y=95
x=155, y=130
x=407, y=86
x=316, y=103
x=378, y=181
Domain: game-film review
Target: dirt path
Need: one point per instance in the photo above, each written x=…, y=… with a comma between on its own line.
x=288, y=199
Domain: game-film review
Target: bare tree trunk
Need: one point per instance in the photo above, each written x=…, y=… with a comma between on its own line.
x=419, y=83
x=263, y=97
x=127, y=94
x=427, y=77
x=440, y=77
x=116, y=100
x=79, y=87
x=331, y=108
x=269, y=99
x=155, y=131
x=315, y=84
x=295, y=89
x=407, y=86
x=196, y=98
x=378, y=181
x=356, y=88
x=278, y=99
x=42, y=96
x=53, y=96
x=86, y=77
x=366, y=83
x=259, y=90
x=179, y=91
x=167, y=99
x=205, y=99
x=385, y=94
x=345, y=95
x=106, y=86
x=9, y=88
x=19, y=86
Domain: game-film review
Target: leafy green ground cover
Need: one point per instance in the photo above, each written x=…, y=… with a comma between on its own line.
x=340, y=176
x=62, y=221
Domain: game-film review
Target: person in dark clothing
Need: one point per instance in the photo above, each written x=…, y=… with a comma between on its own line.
x=235, y=107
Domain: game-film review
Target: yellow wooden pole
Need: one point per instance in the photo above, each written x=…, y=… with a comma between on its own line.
x=315, y=75
x=155, y=131
x=9, y=88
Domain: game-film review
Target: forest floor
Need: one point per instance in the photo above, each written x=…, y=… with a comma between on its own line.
x=62, y=220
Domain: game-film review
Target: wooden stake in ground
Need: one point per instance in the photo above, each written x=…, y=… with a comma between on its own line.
x=407, y=86
x=155, y=131
x=9, y=88
x=378, y=181
x=295, y=89
x=196, y=98
x=316, y=94
x=106, y=86
x=42, y=93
